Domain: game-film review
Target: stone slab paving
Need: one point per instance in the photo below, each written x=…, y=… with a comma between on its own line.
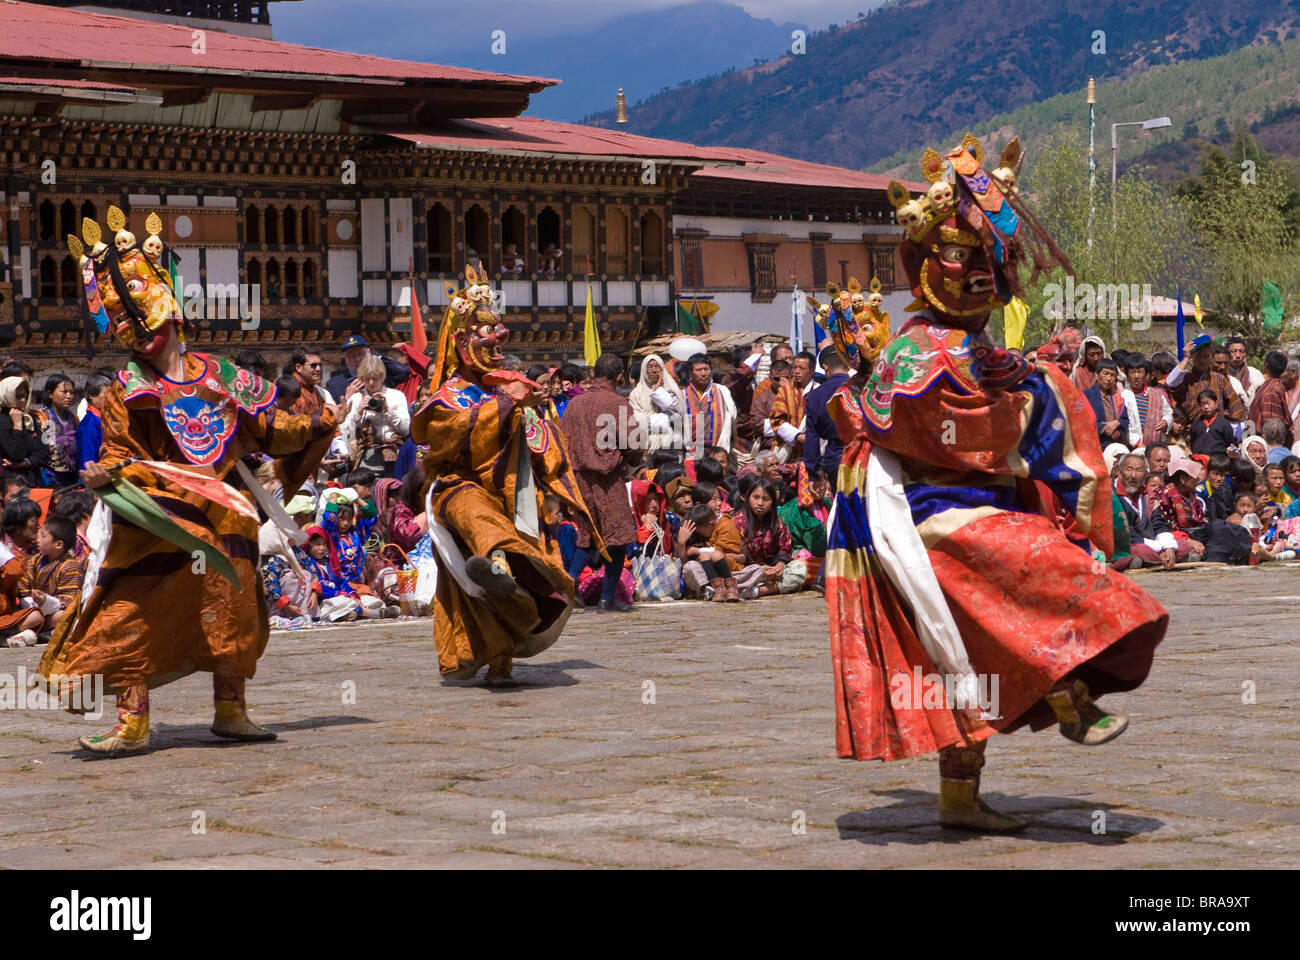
x=582, y=766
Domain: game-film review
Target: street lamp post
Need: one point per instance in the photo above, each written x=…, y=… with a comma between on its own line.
x=1154, y=124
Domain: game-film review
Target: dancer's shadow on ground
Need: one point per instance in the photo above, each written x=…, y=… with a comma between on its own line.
x=171, y=736
x=914, y=819
x=538, y=676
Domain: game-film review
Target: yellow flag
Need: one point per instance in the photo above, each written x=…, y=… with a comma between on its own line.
x=1196, y=306
x=1014, y=315
x=590, y=335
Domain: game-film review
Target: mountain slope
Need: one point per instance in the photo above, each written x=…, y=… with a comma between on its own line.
x=1257, y=87
x=907, y=75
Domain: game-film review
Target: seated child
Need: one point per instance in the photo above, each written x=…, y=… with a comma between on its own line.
x=651, y=518
x=560, y=528
x=52, y=580
x=805, y=516
x=77, y=506
x=705, y=570
x=725, y=535
x=768, y=547
x=1246, y=513
x=289, y=594
x=338, y=600
x=347, y=548
x=1275, y=477
x=18, y=624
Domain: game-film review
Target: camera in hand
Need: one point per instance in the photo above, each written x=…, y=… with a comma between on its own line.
x=377, y=404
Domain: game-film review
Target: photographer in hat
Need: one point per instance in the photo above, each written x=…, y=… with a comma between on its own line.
x=345, y=383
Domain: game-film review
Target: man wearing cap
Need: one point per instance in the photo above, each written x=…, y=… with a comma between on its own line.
x=356, y=349
x=1197, y=373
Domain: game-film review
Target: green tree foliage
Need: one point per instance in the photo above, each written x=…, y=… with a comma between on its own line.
x=1148, y=243
x=1245, y=210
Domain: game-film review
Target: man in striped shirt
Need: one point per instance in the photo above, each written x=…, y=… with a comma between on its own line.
x=1155, y=409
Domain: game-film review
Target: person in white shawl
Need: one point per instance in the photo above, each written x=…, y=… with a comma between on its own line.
x=658, y=402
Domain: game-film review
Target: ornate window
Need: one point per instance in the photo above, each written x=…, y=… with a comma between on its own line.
x=478, y=238
x=819, y=259
x=49, y=278
x=550, y=245
x=882, y=265
x=652, y=244
x=616, y=241
x=692, y=258
x=762, y=267
x=584, y=240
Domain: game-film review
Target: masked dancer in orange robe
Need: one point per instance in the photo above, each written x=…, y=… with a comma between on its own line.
x=151, y=617
x=502, y=588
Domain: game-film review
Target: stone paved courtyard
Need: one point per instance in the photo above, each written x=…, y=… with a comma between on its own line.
x=575, y=769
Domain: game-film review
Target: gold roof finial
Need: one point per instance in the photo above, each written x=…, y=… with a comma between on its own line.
x=621, y=107
x=1092, y=90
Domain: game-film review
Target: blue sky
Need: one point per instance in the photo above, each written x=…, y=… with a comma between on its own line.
x=399, y=27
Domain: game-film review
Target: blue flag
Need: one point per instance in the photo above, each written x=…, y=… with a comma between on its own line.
x=1180, y=321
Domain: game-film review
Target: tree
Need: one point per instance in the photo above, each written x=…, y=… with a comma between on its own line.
x=1149, y=243
x=1245, y=211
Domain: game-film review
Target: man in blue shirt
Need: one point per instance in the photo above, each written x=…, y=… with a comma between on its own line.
x=90, y=431
x=822, y=446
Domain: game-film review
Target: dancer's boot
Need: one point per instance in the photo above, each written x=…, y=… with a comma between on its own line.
x=131, y=735
x=960, y=805
x=1081, y=719
x=230, y=712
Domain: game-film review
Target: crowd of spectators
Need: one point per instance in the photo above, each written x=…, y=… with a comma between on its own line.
x=723, y=496
x=1202, y=452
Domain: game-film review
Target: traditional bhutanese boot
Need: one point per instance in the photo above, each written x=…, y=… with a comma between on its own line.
x=718, y=586
x=131, y=735
x=230, y=712
x=501, y=673
x=733, y=590
x=960, y=805
x=492, y=573
x=1081, y=719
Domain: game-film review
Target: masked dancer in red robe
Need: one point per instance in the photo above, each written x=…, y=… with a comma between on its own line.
x=958, y=607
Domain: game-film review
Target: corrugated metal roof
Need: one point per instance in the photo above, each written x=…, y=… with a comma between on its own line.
x=64, y=84
x=33, y=32
x=535, y=135
x=549, y=137
x=773, y=168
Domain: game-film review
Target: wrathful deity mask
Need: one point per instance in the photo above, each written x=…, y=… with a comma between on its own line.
x=472, y=333
x=477, y=346
x=128, y=289
x=969, y=235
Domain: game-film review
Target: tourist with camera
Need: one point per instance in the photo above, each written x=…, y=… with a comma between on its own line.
x=378, y=420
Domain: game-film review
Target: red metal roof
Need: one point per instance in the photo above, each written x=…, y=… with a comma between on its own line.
x=760, y=167
x=33, y=32
x=68, y=84
x=535, y=135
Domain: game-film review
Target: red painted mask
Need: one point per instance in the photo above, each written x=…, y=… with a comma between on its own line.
x=478, y=345
x=950, y=270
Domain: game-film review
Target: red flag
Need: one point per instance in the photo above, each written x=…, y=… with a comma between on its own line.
x=419, y=337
